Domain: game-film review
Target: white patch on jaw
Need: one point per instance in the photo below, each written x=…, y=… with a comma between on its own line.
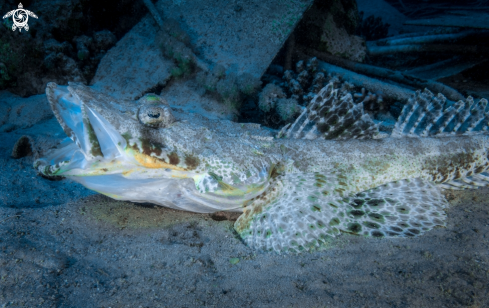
x=177, y=194
x=206, y=183
x=111, y=142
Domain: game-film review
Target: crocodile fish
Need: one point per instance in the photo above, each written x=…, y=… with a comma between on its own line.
x=331, y=171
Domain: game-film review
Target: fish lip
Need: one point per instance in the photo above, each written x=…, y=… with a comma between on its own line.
x=80, y=120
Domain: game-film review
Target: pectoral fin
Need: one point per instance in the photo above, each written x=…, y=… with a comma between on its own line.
x=403, y=208
x=299, y=211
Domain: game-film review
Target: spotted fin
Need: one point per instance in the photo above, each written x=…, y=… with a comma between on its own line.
x=402, y=208
x=300, y=211
x=297, y=212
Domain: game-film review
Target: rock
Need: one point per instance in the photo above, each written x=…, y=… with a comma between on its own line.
x=134, y=66
x=53, y=45
x=83, y=43
x=382, y=8
x=220, y=216
x=22, y=148
x=103, y=40
x=4, y=107
x=185, y=96
x=242, y=37
x=336, y=41
x=23, y=112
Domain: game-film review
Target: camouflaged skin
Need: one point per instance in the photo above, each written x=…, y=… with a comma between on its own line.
x=213, y=165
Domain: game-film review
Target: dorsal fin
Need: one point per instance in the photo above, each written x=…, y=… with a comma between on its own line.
x=428, y=115
x=332, y=114
x=471, y=182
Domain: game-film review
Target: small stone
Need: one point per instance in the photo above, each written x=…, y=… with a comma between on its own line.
x=220, y=216
x=22, y=148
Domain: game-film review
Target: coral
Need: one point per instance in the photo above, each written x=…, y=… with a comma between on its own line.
x=175, y=44
x=372, y=28
x=371, y=101
x=228, y=89
x=336, y=41
x=53, y=46
x=64, y=66
x=4, y=77
x=287, y=108
x=9, y=65
x=269, y=96
x=82, y=44
x=103, y=40
x=248, y=84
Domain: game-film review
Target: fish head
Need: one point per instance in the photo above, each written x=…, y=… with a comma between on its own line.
x=137, y=151
x=116, y=145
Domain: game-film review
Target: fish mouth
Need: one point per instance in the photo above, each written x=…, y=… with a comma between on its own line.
x=94, y=145
x=97, y=156
x=100, y=158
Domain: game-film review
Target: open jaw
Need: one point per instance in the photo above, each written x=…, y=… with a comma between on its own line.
x=105, y=160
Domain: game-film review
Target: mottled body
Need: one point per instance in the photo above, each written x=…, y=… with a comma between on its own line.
x=204, y=165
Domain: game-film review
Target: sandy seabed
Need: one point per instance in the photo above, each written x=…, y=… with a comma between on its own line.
x=64, y=246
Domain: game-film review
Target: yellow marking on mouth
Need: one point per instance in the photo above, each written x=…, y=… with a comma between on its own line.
x=180, y=176
x=128, y=172
x=153, y=162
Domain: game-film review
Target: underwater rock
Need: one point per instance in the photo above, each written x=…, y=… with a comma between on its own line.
x=134, y=65
x=187, y=96
x=336, y=41
x=242, y=40
x=4, y=107
x=129, y=72
x=53, y=46
x=22, y=112
x=372, y=28
x=83, y=43
x=269, y=96
x=103, y=40
x=23, y=147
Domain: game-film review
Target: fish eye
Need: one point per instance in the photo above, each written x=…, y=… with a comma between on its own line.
x=155, y=111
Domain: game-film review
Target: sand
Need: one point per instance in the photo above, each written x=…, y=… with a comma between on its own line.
x=62, y=245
